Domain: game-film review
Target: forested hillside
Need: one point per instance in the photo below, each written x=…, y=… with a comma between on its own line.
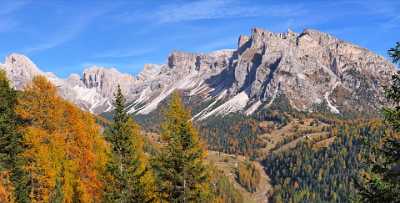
x=51, y=151
x=311, y=173
x=51, y=145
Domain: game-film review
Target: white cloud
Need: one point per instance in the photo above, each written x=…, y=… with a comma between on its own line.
x=214, y=9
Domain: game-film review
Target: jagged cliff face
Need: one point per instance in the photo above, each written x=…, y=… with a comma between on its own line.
x=20, y=69
x=106, y=80
x=310, y=69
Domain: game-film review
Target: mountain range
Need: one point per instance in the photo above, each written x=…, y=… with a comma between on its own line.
x=312, y=70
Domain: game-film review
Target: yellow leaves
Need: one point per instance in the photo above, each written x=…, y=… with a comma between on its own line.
x=248, y=176
x=62, y=142
x=147, y=180
x=6, y=188
x=43, y=85
x=40, y=104
x=174, y=115
x=42, y=168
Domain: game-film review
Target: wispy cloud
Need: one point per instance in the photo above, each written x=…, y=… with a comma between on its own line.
x=214, y=9
x=71, y=29
x=8, y=21
x=392, y=23
x=9, y=7
x=386, y=9
x=124, y=53
x=61, y=37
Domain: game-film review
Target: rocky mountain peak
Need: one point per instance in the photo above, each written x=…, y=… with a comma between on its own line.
x=74, y=79
x=105, y=80
x=20, y=61
x=149, y=72
x=260, y=36
x=182, y=62
x=243, y=39
x=322, y=38
x=223, y=53
x=309, y=69
x=21, y=69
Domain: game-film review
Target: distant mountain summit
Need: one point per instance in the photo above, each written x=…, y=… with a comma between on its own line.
x=312, y=70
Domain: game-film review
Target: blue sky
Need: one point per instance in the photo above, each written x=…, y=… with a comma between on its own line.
x=66, y=36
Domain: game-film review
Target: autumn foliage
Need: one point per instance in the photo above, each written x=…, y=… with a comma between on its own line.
x=6, y=188
x=51, y=151
x=64, y=147
x=248, y=176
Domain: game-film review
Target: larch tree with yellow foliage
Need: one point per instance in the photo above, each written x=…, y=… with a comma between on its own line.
x=130, y=178
x=65, y=153
x=183, y=176
x=6, y=188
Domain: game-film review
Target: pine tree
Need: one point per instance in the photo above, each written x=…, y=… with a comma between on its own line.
x=182, y=174
x=131, y=178
x=382, y=182
x=8, y=133
x=10, y=139
x=395, y=53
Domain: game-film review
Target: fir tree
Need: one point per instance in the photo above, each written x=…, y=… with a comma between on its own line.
x=382, y=182
x=8, y=133
x=10, y=139
x=182, y=173
x=395, y=53
x=131, y=179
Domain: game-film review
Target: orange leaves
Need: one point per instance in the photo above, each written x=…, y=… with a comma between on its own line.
x=248, y=176
x=41, y=105
x=62, y=143
x=43, y=161
x=6, y=188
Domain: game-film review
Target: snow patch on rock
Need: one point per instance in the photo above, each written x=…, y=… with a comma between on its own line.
x=253, y=108
x=235, y=104
x=273, y=98
x=185, y=83
x=209, y=107
x=332, y=107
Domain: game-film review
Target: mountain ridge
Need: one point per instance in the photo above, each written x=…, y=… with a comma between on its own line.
x=310, y=69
